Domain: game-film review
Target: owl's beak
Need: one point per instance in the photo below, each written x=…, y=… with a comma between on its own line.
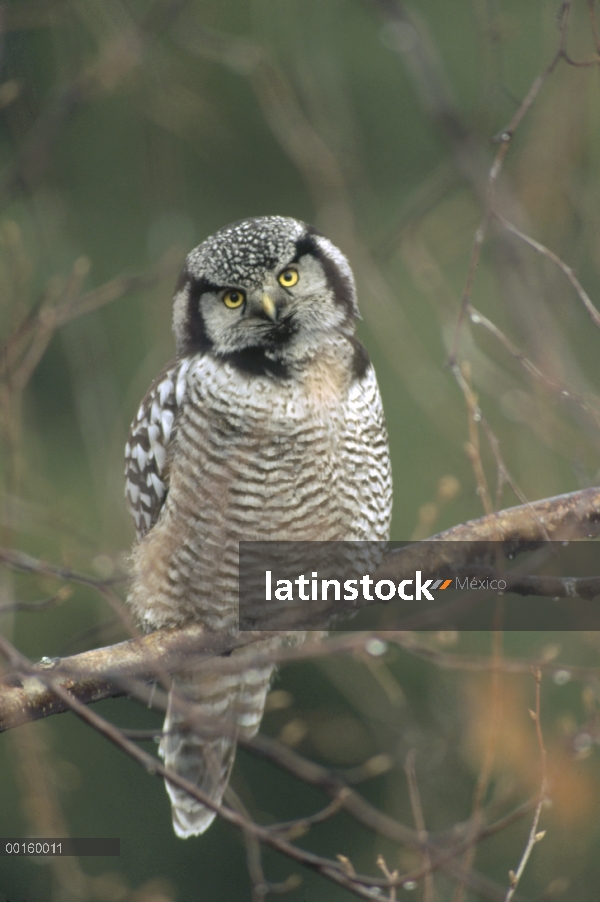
x=268, y=305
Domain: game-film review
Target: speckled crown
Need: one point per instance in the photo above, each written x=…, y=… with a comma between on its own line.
x=245, y=250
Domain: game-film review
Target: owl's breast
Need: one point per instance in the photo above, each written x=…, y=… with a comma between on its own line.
x=261, y=453
x=257, y=459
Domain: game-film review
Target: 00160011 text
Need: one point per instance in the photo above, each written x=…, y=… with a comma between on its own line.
x=60, y=846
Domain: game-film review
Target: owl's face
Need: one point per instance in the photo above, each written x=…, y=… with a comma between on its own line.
x=270, y=285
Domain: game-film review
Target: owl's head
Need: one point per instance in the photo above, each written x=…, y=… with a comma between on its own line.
x=267, y=286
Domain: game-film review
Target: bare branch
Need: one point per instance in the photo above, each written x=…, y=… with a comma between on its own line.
x=104, y=672
x=25, y=346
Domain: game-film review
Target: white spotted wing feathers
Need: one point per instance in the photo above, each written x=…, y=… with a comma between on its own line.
x=147, y=449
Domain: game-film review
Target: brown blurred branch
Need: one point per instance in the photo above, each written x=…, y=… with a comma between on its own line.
x=443, y=851
x=20, y=561
x=103, y=672
x=33, y=333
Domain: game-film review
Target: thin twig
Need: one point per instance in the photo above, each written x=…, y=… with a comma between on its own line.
x=392, y=876
x=485, y=772
x=534, y=835
x=253, y=850
x=296, y=828
x=417, y=810
x=504, y=138
x=35, y=606
x=594, y=24
x=584, y=297
x=476, y=417
x=19, y=560
x=472, y=447
x=478, y=318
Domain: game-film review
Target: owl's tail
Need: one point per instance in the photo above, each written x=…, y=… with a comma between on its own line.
x=200, y=739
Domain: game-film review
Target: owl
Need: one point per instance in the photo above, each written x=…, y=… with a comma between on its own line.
x=267, y=425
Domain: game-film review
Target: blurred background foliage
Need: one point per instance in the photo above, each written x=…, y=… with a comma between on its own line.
x=129, y=131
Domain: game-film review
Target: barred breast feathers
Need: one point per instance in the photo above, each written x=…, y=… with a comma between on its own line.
x=329, y=390
x=247, y=458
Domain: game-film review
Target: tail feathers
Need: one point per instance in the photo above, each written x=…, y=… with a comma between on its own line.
x=200, y=739
x=205, y=763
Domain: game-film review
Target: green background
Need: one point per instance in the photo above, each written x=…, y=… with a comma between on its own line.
x=131, y=130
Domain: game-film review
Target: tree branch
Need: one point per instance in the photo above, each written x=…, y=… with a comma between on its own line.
x=113, y=671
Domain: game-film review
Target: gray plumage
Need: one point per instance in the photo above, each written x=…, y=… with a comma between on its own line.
x=268, y=425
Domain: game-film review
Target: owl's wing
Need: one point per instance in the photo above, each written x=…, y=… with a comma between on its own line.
x=147, y=449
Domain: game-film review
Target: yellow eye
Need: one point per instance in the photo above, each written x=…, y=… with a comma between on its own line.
x=288, y=278
x=233, y=298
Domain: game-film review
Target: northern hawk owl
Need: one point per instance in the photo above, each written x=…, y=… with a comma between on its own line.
x=268, y=424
